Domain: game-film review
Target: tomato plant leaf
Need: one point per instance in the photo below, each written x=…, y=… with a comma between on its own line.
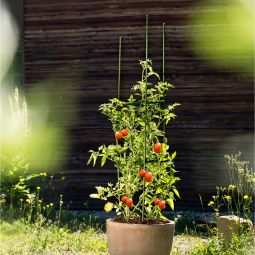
x=176, y=192
x=171, y=203
x=173, y=155
x=103, y=160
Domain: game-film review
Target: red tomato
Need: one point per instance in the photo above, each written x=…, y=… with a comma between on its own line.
x=162, y=205
x=157, y=147
x=124, y=132
x=148, y=177
x=118, y=135
x=142, y=172
x=129, y=202
x=156, y=201
x=124, y=199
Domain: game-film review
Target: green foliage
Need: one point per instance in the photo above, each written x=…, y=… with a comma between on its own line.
x=128, y=154
x=15, y=178
x=82, y=234
x=46, y=238
x=240, y=245
x=18, y=193
x=238, y=197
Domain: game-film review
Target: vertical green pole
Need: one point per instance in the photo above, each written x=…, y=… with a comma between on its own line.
x=163, y=52
x=118, y=172
x=145, y=121
x=163, y=68
x=119, y=67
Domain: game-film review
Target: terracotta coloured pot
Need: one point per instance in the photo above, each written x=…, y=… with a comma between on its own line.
x=139, y=239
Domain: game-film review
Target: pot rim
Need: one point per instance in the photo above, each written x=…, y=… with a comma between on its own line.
x=135, y=224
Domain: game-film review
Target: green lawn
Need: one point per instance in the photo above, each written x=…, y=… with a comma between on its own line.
x=20, y=239
x=16, y=238
x=42, y=238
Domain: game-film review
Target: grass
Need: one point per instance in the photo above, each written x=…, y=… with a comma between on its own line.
x=182, y=244
x=45, y=238
x=19, y=238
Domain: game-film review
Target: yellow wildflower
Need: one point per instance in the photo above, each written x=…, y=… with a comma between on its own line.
x=231, y=187
x=211, y=203
x=228, y=198
x=38, y=188
x=245, y=197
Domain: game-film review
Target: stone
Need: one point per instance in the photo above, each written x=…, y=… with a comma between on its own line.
x=232, y=224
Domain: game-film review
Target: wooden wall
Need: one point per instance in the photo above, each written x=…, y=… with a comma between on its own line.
x=76, y=40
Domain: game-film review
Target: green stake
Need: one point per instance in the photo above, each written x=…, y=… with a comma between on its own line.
x=163, y=49
x=118, y=172
x=145, y=121
x=163, y=68
x=119, y=68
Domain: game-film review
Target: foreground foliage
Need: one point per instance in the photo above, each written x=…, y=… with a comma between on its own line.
x=25, y=188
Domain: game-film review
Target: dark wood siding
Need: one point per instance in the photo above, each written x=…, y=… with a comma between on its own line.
x=77, y=40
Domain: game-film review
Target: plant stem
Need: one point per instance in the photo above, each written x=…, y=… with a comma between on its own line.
x=11, y=207
x=60, y=210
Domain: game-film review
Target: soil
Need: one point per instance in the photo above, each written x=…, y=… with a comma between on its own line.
x=138, y=220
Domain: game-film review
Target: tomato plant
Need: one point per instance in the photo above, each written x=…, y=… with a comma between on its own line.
x=128, y=121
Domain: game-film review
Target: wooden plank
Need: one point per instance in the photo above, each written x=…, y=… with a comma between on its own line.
x=76, y=41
